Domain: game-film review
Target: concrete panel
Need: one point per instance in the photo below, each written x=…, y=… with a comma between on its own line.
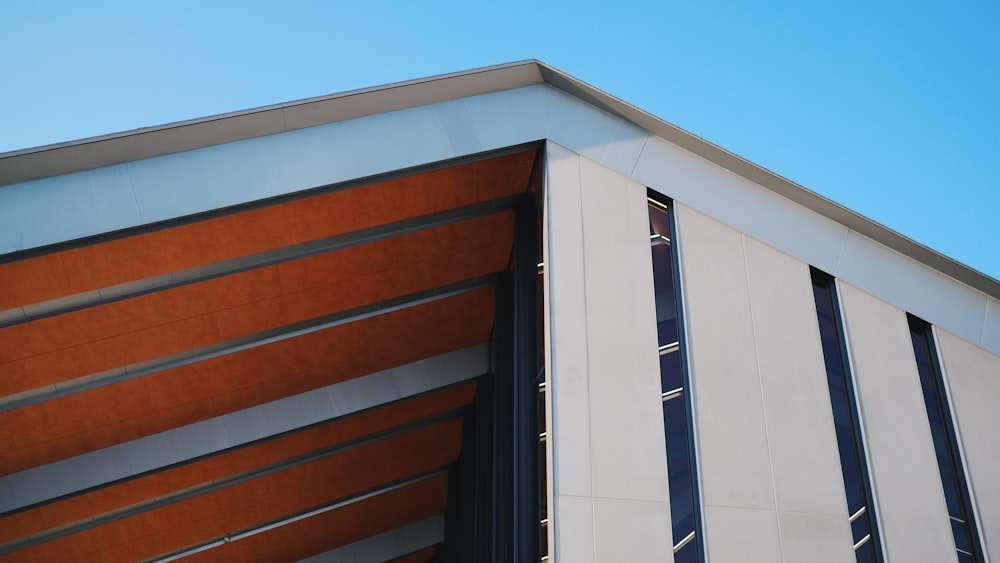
x=631, y=531
x=626, y=413
x=224, y=175
x=566, y=302
x=737, y=535
x=738, y=202
x=366, y=146
x=913, y=287
x=816, y=538
x=458, y=126
x=579, y=126
x=624, y=148
x=910, y=505
x=66, y=207
x=991, y=326
x=190, y=182
x=508, y=118
x=972, y=376
x=734, y=462
x=574, y=530
x=800, y=429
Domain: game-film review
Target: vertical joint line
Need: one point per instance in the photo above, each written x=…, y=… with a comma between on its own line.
x=760, y=384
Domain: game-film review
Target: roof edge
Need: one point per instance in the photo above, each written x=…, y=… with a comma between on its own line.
x=116, y=148
x=772, y=181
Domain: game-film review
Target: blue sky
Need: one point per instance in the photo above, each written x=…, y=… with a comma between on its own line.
x=891, y=108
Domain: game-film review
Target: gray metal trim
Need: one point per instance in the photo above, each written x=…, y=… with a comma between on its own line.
x=388, y=545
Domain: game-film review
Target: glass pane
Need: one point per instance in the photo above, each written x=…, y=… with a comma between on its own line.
x=659, y=221
x=688, y=553
x=680, y=462
x=852, y=461
x=866, y=553
x=678, y=465
x=961, y=533
x=859, y=528
x=670, y=372
x=938, y=418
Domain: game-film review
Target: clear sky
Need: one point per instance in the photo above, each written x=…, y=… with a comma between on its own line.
x=889, y=108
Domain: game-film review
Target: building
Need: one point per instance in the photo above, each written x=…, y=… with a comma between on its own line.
x=495, y=315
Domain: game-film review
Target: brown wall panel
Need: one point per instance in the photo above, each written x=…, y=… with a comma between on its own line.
x=164, y=482
x=254, y=502
x=104, y=416
x=69, y=272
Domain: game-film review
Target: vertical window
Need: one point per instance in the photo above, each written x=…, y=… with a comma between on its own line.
x=845, y=417
x=676, y=400
x=943, y=432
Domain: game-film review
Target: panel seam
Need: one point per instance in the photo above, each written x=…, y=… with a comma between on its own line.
x=760, y=386
x=586, y=342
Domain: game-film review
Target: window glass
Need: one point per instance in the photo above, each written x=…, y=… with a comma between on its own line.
x=845, y=418
x=956, y=493
x=684, y=511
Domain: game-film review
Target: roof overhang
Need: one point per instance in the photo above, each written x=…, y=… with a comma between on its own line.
x=64, y=158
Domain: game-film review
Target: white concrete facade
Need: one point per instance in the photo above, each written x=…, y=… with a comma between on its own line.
x=909, y=502
x=608, y=490
x=768, y=467
x=771, y=463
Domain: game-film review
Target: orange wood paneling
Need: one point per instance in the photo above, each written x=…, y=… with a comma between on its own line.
x=340, y=527
x=112, y=414
x=254, y=502
x=79, y=343
x=155, y=485
x=69, y=272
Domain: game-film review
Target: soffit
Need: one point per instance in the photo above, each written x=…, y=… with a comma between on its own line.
x=149, y=332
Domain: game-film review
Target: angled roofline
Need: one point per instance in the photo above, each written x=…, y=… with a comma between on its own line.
x=116, y=148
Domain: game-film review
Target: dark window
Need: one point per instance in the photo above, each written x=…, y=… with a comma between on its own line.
x=684, y=512
x=956, y=493
x=845, y=419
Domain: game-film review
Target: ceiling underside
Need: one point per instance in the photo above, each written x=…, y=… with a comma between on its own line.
x=267, y=383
